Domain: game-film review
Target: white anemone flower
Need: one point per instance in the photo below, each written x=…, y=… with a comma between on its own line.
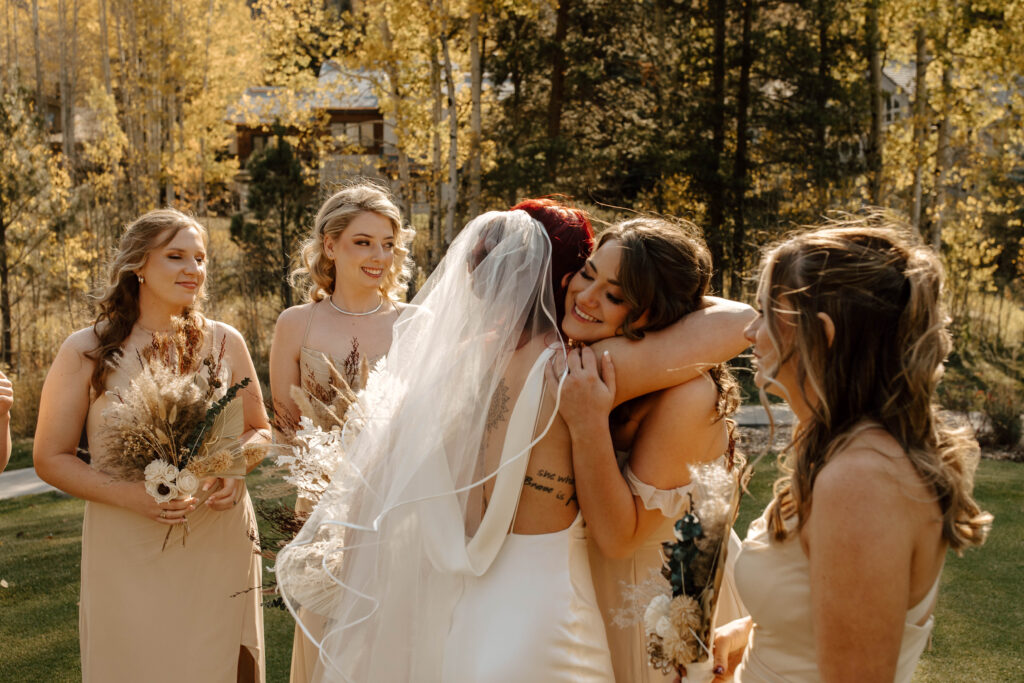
x=656, y=610
x=187, y=482
x=160, y=478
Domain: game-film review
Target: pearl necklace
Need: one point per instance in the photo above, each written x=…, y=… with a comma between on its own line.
x=344, y=312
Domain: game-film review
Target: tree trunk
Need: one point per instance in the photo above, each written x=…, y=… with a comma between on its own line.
x=105, y=47
x=38, y=56
x=874, y=54
x=202, y=136
x=943, y=160
x=5, y=295
x=286, y=289
x=170, y=106
x=475, y=117
x=556, y=98
x=920, y=122
x=67, y=105
x=406, y=193
x=453, y=138
x=13, y=62
x=737, y=259
x=716, y=186
x=822, y=92
x=437, y=183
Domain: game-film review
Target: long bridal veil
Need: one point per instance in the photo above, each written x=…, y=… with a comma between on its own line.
x=384, y=554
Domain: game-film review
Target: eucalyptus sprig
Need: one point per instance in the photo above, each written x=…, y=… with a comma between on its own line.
x=195, y=439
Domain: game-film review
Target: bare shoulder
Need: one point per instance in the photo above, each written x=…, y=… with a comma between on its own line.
x=74, y=356
x=867, y=470
x=697, y=393
x=295, y=316
x=690, y=404
x=82, y=341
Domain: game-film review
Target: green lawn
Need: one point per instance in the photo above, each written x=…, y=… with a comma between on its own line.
x=979, y=618
x=21, y=454
x=40, y=546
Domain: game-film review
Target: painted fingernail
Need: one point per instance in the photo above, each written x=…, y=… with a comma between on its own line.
x=718, y=670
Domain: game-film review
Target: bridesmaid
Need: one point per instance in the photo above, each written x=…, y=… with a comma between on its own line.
x=357, y=259
x=6, y=402
x=875, y=489
x=632, y=479
x=188, y=612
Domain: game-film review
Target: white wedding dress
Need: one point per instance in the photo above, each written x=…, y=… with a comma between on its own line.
x=408, y=558
x=533, y=615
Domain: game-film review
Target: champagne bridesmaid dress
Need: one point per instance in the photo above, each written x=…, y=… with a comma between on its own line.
x=314, y=366
x=187, y=613
x=614, y=577
x=775, y=582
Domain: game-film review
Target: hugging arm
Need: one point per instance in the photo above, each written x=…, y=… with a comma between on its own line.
x=617, y=519
x=680, y=352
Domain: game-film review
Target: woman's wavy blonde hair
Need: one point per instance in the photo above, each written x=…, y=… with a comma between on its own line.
x=882, y=290
x=118, y=301
x=331, y=220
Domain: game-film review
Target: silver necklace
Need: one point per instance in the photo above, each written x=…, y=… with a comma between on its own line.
x=344, y=312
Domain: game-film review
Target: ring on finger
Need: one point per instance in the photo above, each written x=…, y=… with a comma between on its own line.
x=163, y=514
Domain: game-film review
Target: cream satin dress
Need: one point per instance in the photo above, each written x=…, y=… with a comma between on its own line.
x=533, y=615
x=774, y=580
x=305, y=652
x=313, y=366
x=614, y=577
x=181, y=614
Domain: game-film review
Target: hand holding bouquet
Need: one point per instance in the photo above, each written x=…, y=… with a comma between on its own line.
x=176, y=423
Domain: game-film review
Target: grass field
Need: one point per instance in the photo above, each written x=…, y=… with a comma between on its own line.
x=979, y=617
x=21, y=454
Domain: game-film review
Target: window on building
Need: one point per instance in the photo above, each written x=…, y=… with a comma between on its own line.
x=892, y=108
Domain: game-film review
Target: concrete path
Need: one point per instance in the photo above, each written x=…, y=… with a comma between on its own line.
x=23, y=482
x=756, y=416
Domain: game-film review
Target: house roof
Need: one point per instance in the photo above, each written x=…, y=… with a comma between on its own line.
x=336, y=88
x=901, y=75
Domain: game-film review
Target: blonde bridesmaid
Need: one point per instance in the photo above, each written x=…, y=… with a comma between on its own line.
x=356, y=258
x=188, y=612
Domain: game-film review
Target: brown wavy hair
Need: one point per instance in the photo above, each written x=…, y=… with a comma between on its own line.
x=665, y=271
x=118, y=302
x=331, y=220
x=882, y=290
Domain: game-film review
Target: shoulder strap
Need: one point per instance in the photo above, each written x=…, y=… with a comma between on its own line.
x=309, y=321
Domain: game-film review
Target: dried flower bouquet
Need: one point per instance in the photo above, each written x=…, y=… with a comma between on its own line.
x=678, y=620
x=176, y=423
x=308, y=450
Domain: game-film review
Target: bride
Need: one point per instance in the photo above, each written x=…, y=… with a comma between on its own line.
x=450, y=545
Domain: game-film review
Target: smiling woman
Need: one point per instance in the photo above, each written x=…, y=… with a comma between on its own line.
x=356, y=258
x=155, y=285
